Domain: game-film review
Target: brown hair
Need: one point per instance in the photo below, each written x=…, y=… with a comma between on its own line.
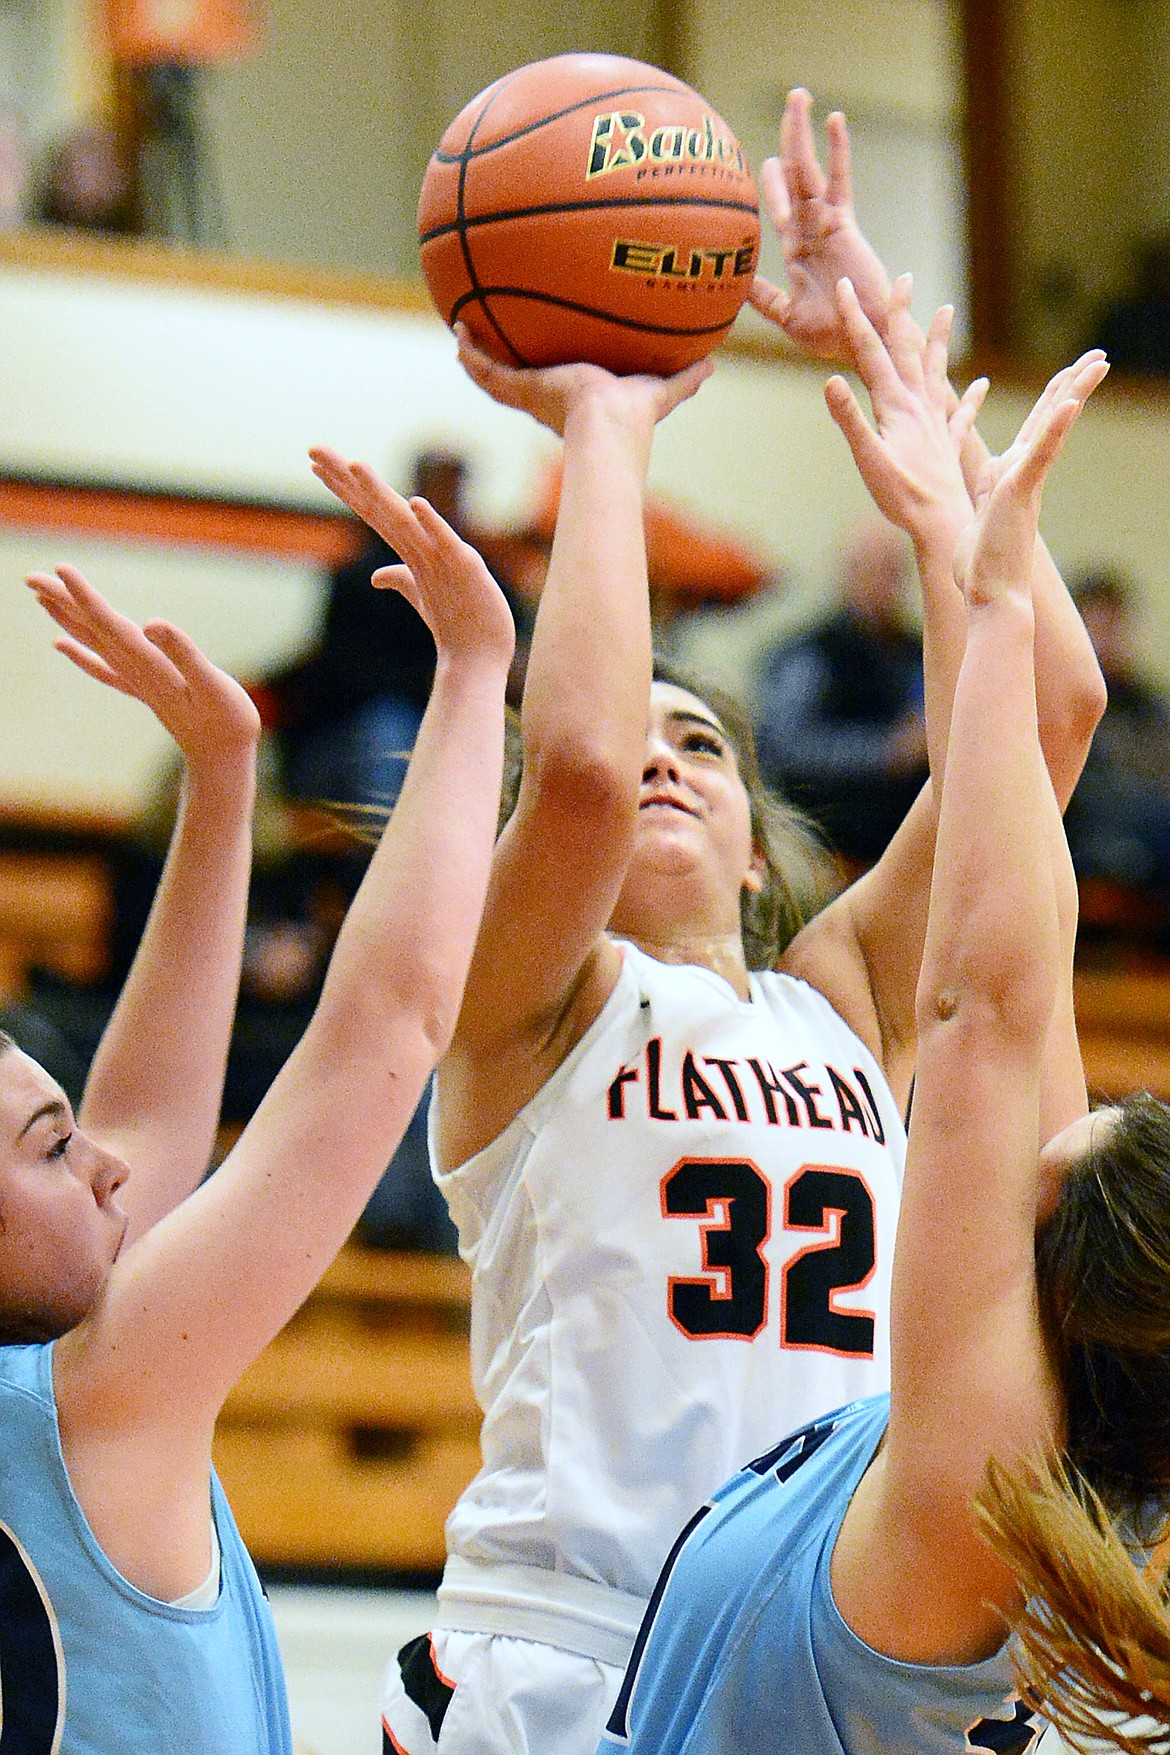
x=1103, y=1278
x=1093, y=1638
x=798, y=871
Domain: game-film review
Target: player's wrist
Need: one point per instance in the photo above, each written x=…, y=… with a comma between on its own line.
x=611, y=411
x=935, y=530
x=222, y=775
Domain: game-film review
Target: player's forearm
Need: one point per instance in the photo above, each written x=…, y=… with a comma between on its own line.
x=157, y=1078
x=589, y=668
x=407, y=940
x=944, y=628
x=1070, y=690
x=993, y=932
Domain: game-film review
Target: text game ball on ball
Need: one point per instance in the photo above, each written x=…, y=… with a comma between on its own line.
x=590, y=207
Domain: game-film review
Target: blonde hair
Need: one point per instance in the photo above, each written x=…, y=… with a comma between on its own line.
x=1091, y=1643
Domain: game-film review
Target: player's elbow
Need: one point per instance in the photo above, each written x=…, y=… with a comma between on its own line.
x=991, y=1011
x=1067, y=731
x=589, y=781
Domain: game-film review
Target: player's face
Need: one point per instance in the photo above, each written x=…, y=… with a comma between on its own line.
x=1063, y=1150
x=60, y=1225
x=694, y=816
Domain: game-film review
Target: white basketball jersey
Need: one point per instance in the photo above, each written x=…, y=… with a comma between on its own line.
x=681, y=1250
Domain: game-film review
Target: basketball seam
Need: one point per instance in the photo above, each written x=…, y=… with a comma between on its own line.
x=461, y=217
x=478, y=293
x=654, y=202
x=542, y=298
x=601, y=97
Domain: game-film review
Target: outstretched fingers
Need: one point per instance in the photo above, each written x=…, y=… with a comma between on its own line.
x=683, y=385
x=769, y=300
x=773, y=189
x=1077, y=381
x=400, y=578
x=798, y=154
x=934, y=353
x=448, y=582
x=998, y=548
x=966, y=411
x=502, y=383
x=99, y=639
x=1046, y=439
x=906, y=343
x=92, y=665
x=1089, y=371
x=839, y=188
x=70, y=599
x=1063, y=396
x=191, y=667
x=376, y=503
x=873, y=361
x=847, y=413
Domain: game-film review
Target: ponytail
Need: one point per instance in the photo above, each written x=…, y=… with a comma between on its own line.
x=1092, y=1640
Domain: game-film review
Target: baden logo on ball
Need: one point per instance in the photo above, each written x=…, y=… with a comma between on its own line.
x=569, y=204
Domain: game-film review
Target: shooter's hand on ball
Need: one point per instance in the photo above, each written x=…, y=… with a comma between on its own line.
x=814, y=219
x=548, y=393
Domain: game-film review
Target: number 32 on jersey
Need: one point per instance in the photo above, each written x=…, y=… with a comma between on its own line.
x=731, y=1199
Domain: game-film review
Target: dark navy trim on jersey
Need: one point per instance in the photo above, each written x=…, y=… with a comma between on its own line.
x=422, y=1683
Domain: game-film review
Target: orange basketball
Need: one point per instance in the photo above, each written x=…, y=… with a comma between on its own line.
x=590, y=207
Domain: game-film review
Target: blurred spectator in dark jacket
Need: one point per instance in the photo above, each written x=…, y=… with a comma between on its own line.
x=839, y=706
x=86, y=183
x=1135, y=329
x=346, y=715
x=1118, y=820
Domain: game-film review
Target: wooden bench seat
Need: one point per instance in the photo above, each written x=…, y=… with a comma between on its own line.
x=350, y=1438
x=1123, y=1020
x=55, y=911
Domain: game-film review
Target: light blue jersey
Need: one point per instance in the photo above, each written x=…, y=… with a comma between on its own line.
x=743, y=1648
x=88, y=1664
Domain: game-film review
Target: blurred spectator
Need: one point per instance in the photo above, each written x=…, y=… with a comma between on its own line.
x=344, y=719
x=1135, y=329
x=840, y=705
x=691, y=566
x=346, y=715
x=86, y=183
x=1118, y=820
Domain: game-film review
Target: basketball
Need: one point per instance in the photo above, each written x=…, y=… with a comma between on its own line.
x=590, y=207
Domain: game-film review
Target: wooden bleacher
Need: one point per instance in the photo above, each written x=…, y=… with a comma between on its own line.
x=347, y=1442
x=1123, y=1020
x=350, y=1438
x=54, y=912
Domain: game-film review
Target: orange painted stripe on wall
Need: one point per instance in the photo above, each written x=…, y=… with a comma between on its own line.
x=320, y=538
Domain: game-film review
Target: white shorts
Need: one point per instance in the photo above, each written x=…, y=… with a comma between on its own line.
x=490, y=1694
